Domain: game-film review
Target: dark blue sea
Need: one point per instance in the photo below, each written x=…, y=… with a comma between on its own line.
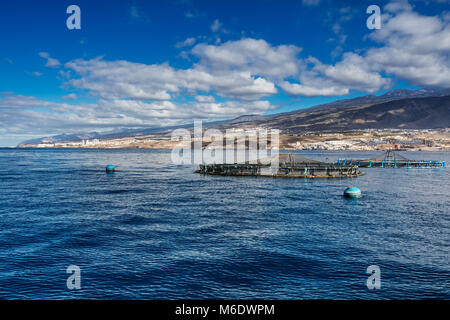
x=154, y=230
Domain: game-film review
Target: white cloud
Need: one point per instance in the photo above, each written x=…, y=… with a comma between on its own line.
x=194, y=14
x=415, y=48
x=295, y=89
x=216, y=25
x=186, y=43
x=256, y=56
x=123, y=79
x=310, y=2
x=351, y=73
x=70, y=96
x=243, y=86
x=204, y=98
x=12, y=101
x=398, y=6
x=51, y=62
x=242, y=70
x=354, y=72
x=26, y=115
x=137, y=15
x=410, y=46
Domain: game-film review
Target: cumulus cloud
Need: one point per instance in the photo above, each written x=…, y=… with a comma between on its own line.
x=256, y=56
x=51, y=62
x=354, y=72
x=351, y=73
x=410, y=46
x=415, y=48
x=240, y=70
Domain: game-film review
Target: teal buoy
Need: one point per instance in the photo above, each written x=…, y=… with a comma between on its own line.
x=110, y=168
x=352, y=192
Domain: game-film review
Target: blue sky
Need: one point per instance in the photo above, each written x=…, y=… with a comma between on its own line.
x=156, y=63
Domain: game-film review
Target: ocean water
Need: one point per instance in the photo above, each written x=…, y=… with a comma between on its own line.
x=153, y=230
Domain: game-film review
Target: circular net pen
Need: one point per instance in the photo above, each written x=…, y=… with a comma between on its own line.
x=282, y=165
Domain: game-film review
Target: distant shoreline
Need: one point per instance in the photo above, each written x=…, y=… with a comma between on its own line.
x=361, y=140
x=288, y=150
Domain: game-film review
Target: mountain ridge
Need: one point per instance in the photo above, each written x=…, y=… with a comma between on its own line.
x=316, y=119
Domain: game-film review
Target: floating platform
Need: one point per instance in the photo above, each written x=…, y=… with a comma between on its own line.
x=392, y=159
x=289, y=166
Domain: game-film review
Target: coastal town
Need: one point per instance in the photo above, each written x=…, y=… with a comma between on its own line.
x=398, y=139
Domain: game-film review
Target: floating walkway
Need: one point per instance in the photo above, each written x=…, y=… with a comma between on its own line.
x=283, y=165
x=392, y=159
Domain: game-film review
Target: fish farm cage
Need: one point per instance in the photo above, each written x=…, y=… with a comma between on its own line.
x=392, y=159
x=286, y=165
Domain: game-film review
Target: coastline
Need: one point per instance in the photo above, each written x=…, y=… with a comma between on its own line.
x=361, y=140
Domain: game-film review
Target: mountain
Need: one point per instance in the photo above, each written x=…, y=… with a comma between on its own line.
x=397, y=94
x=120, y=133
x=247, y=118
x=401, y=109
x=411, y=113
x=396, y=109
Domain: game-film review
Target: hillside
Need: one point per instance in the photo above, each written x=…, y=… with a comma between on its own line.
x=411, y=113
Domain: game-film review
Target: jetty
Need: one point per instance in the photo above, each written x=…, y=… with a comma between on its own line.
x=392, y=159
x=283, y=165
